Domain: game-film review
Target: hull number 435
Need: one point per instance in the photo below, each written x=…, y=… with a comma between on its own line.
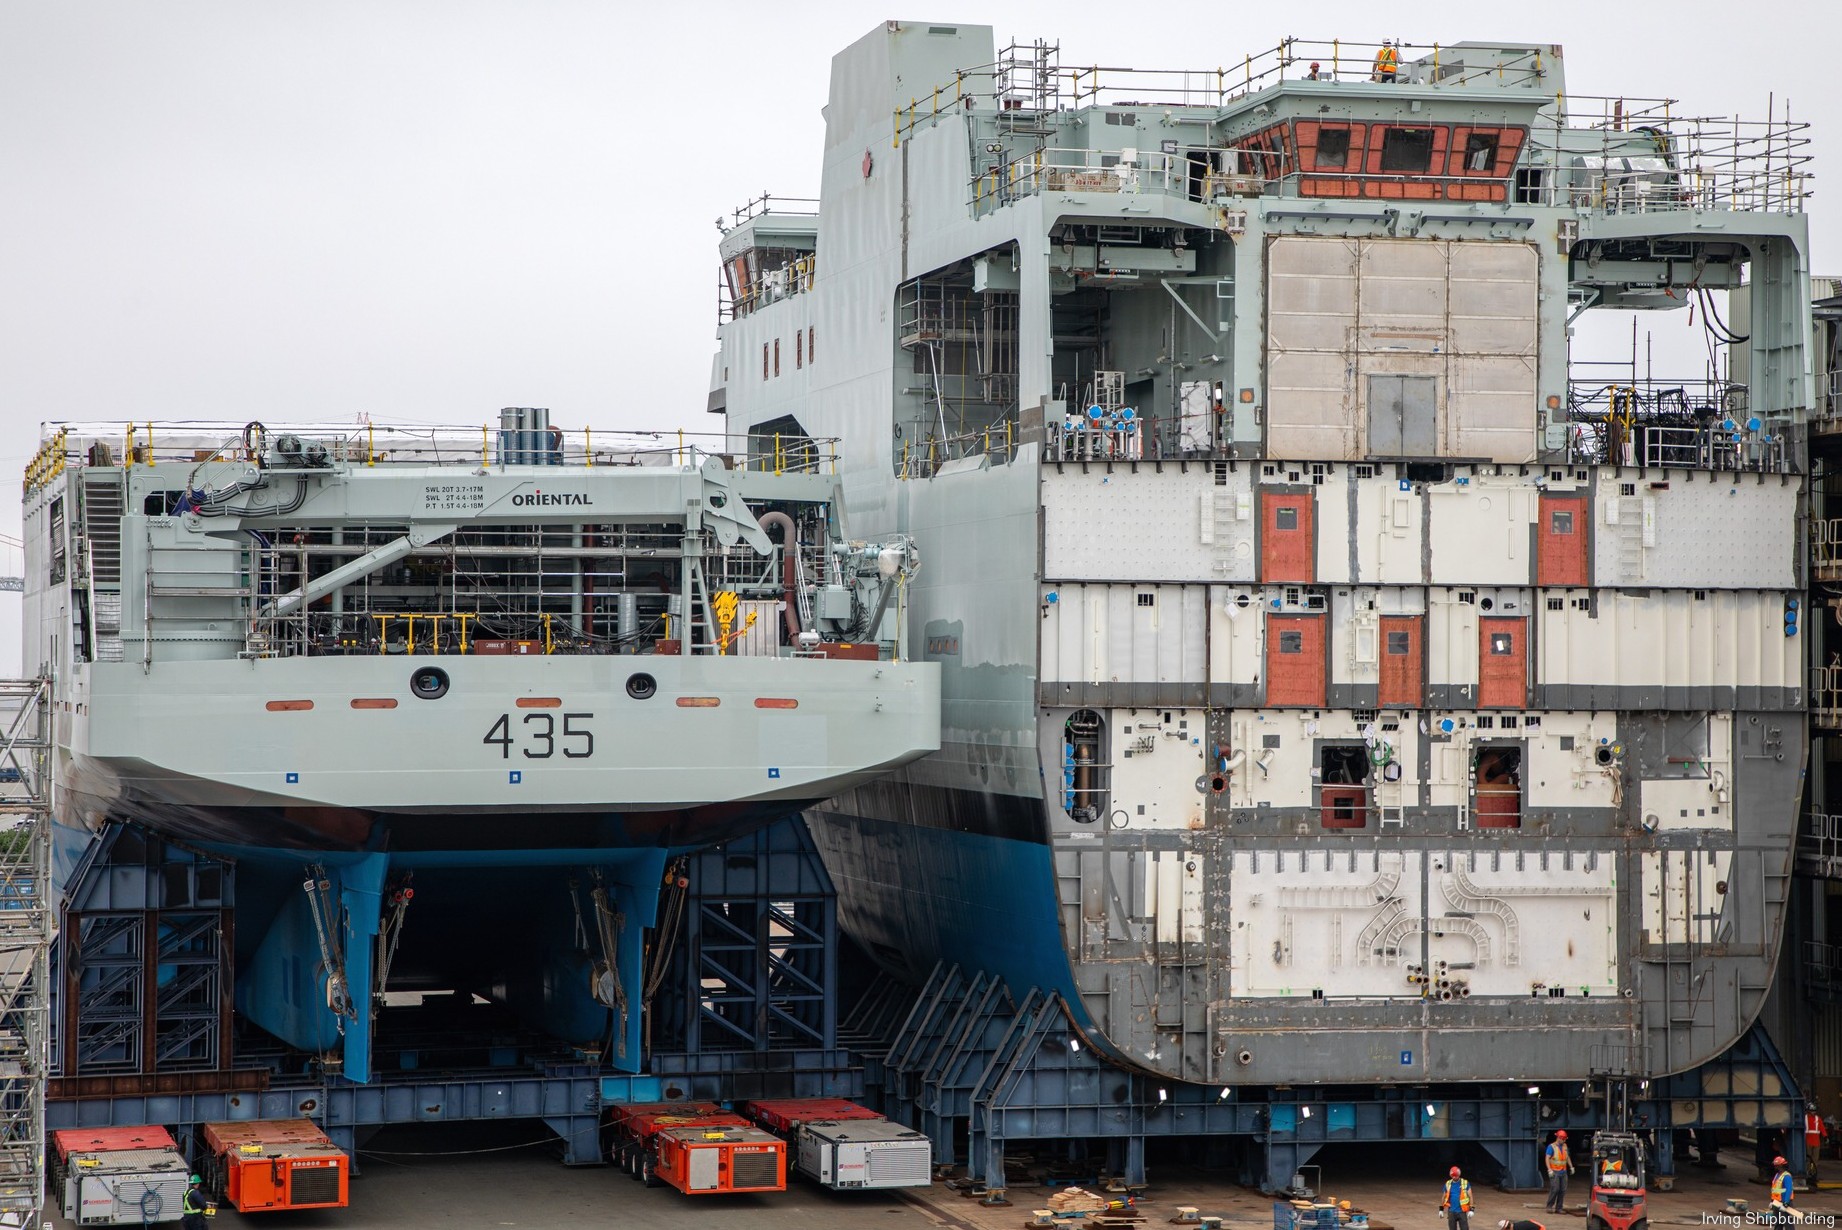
x=542, y=735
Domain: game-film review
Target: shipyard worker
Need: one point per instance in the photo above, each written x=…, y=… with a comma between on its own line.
x=1387, y=62
x=1783, y=1194
x=193, y=1206
x=1314, y=74
x=1455, y=1202
x=1815, y=1133
x=1560, y=1165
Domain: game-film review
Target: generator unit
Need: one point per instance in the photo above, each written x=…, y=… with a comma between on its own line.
x=127, y=1176
x=864, y=1153
x=264, y=1165
x=698, y=1148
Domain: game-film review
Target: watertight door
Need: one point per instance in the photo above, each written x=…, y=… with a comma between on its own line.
x=1502, y=657
x=1287, y=543
x=1560, y=541
x=1295, y=660
x=1402, y=659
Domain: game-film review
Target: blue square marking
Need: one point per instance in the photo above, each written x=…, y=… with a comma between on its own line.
x=294, y=779
x=773, y=773
x=1406, y=1058
x=517, y=777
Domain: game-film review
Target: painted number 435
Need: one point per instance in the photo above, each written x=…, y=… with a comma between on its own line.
x=540, y=737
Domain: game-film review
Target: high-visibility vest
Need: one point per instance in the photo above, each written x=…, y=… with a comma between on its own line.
x=1814, y=1130
x=194, y=1202
x=1457, y=1195
x=1557, y=1157
x=1385, y=60
x=1782, y=1187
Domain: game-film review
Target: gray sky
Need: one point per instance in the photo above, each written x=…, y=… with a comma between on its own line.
x=293, y=210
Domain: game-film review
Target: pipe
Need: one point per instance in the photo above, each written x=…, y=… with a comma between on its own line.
x=789, y=556
x=1232, y=760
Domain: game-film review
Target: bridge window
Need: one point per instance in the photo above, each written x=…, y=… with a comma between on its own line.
x=1333, y=147
x=1407, y=149
x=1481, y=151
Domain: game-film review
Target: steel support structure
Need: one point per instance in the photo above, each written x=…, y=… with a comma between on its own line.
x=25, y=944
x=968, y=1057
x=144, y=966
x=756, y=965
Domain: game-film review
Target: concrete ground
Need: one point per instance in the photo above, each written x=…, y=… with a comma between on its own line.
x=460, y=1177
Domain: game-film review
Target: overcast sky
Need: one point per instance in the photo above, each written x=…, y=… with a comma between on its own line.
x=236, y=209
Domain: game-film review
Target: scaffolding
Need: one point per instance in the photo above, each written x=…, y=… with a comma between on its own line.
x=25, y=945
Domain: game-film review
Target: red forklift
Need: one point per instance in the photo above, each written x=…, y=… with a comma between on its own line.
x=1620, y=1173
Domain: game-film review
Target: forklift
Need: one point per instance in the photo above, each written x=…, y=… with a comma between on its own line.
x=1619, y=1173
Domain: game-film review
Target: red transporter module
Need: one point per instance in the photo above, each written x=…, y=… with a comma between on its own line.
x=266, y=1165
x=782, y=1116
x=698, y=1148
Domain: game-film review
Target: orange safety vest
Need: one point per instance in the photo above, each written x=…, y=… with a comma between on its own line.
x=1557, y=1157
x=1385, y=61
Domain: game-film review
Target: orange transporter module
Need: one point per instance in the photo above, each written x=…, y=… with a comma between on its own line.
x=266, y=1165
x=698, y=1148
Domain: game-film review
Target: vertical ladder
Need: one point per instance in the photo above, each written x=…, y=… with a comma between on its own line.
x=25, y=944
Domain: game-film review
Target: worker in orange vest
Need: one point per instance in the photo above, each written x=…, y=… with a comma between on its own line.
x=1815, y=1133
x=1560, y=1165
x=1455, y=1201
x=1387, y=63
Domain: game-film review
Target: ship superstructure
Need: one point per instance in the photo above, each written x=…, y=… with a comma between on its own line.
x=451, y=700
x=1337, y=685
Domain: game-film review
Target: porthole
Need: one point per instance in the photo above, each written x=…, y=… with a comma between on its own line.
x=641, y=686
x=429, y=682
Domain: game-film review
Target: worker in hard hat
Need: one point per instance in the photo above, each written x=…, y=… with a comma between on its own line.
x=195, y=1207
x=1316, y=74
x=1455, y=1201
x=1815, y=1133
x=1387, y=63
x=1784, y=1191
x=1560, y=1164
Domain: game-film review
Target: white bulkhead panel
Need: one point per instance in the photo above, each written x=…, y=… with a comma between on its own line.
x=1279, y=768
x=1389, y=534
x=1332, y=489
x=1702, y=798
x=1563, y=769
x=1492, y=333
x=1678, y=638
x=1174, y=524
x=1174, y=894
x=1236, y=635
x=1508, y=923
x=1480, y=532
x=1348, y=318
x=1355, y=635
x=1311, y=321
x=1158, y=757
x=1321, y=919
x=1684, y=895
x=1451, y=639
x=1683, y=530
x=1123, y=633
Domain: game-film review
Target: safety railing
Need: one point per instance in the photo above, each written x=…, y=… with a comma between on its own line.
x=925, y=457
x=1080, y=170
x=793, y=276
x=1829, y=412
x=1823, y=965
x=1619, y=156
x=203, y=445
x=1826, y=548
x=1691, y=424
x=1030, y=78
x=1826, y=696
x=1819, y=846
